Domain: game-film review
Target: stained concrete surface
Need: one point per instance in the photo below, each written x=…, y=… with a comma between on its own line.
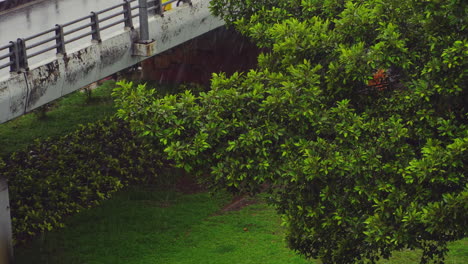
x=57, y=76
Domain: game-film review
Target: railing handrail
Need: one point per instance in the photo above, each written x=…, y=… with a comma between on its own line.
x=5, y=46
x=18, y=50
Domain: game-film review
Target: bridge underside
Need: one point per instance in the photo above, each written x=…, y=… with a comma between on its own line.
x=220, y=50
x=52, y=79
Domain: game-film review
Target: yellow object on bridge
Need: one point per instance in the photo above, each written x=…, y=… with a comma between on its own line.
x=167, y=7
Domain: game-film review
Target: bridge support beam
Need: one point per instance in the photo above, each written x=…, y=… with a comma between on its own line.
x=6, y=245
x=144, y=49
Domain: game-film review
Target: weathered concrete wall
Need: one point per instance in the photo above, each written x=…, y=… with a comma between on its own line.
x=6, y=248
x=20, y=93
x=13, y=94
x=220, y=50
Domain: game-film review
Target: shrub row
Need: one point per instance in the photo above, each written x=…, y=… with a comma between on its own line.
x=57, y=177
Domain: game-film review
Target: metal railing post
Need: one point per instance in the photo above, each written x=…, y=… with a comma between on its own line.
x=128, y=14
x=22, y=56
x=159, y=10
x=149, y=5
x=60, y=40
x=95, y=27
x=144, y=30
x=14, y=57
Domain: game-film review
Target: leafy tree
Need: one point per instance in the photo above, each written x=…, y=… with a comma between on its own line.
x=355, y=121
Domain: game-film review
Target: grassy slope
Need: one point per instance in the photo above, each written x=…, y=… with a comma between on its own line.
x=458, y=254
x=154, y=226
x=64, y=117
x=144, y=225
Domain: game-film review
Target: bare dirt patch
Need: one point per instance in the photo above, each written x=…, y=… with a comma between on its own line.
x=238, y=203
x=188, y=184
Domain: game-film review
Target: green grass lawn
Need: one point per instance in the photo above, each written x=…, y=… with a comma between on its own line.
x=148, y=225
x=64, y=116
x=144, y=225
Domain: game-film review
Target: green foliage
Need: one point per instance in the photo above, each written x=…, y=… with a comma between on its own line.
x=54, y=178
x=356, y=120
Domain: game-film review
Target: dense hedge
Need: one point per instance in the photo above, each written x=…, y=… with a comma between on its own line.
x=57, y=177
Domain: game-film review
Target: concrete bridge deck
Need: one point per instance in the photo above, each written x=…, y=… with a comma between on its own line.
x=56, y=76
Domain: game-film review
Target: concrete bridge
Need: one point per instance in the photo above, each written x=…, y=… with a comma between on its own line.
x=30, y=84
x=27, y=82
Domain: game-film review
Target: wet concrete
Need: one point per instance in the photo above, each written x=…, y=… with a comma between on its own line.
x=42, y=15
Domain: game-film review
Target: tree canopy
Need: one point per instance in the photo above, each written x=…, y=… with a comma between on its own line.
x=355, y=121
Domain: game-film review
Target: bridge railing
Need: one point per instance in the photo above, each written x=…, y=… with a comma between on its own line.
x=17, y=54
x=8, y=52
